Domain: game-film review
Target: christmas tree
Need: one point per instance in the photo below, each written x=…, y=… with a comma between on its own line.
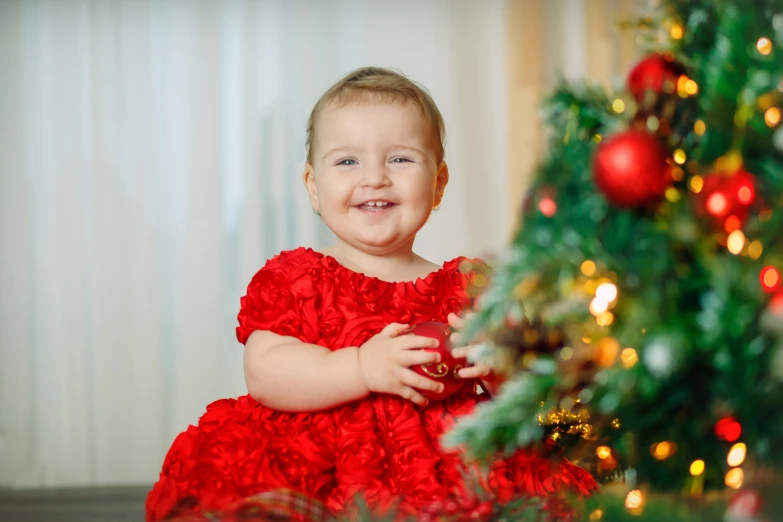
x=637, y=315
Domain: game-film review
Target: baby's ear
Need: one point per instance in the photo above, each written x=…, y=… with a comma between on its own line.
x=441, y=180
x=309, y=182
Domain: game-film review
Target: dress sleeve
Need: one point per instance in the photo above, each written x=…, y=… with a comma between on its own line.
x=269, y=304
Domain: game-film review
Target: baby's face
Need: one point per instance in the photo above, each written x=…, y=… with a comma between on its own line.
x=375, y=176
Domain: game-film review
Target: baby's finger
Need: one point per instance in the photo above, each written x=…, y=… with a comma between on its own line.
x=395, y=329
x=455, y=321
x=474, y=372
x=456, y=338
x=462, y=351
x=408, y=358
x=414, y=342
x=414, y=380
x=413, y=396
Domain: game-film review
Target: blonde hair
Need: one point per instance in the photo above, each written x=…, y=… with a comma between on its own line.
x=382, y=85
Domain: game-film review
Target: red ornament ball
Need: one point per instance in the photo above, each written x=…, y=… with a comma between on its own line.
x=657, y=73
x=446, y=370
x=630, y=168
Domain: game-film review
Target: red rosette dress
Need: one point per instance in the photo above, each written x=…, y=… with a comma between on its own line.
x=243, y=456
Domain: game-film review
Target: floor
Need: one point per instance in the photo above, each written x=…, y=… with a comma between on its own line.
x=110, y=504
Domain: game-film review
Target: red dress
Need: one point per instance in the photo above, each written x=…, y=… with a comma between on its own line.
x=382, y=447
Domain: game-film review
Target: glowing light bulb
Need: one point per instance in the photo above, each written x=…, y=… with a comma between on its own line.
x=588, y=268
x=755, y=249
x=717, y=204
x=676, y=32
x=735, y=242
x=606, y=292
x=770, y=278
x=736, y=455
x=697, y=467
x=634, y=499
x=618, y=105
x=603, y=452
x=691, y=87
x=764, y=46
x=604, y=319
x=672, y=195
x=547, y=206
x=699, y=128
x=598, y=306
x=697, y=183
x=772, y=116
x=679, y=156
x=732, y=223
x=734, y=478
x=629, y=357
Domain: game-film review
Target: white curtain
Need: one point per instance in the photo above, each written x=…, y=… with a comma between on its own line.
x=150, y=162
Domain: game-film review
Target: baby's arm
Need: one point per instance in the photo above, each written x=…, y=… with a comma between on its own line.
x=286, y=374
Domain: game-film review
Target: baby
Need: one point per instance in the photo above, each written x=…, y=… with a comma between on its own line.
x=334, y=408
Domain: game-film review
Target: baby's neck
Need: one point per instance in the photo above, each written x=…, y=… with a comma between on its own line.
x=401, y=265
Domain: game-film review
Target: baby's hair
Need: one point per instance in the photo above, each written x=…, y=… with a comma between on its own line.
x=381, y=85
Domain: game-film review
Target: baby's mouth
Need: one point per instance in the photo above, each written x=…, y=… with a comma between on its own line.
x=376, y=206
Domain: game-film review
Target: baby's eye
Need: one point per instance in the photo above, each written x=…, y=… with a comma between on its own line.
x=400, y=160
x=346, y=162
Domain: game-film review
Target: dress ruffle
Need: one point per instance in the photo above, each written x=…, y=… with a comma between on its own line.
x=383, y=448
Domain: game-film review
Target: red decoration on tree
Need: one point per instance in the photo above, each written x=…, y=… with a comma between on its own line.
x=727, y=198
x=728, y=429
x=630, y=168
x=657, y=73
x=446, y=370
x=745, y=506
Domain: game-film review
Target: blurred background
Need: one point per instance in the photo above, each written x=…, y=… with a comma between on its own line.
x=151, y=154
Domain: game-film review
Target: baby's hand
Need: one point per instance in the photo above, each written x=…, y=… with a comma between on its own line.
x=478, y=371
x=385, y=362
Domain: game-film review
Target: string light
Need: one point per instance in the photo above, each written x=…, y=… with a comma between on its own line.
x=732, y=223
x=606, y=292
x=764, y=46
x=734, y=478
x=770, y=278
x=604, y=319
x=697, y=467
x=629, y=357
x=672, y=195
x=598, y=306
x=691, y=87
x=634, y=499
x=772, y=116
x=679, y=156
x=697, y=183
x=618, y=105
x=717, y=204
x=547, y=206
x=663, y=450
x=736, y=455
x=596, y=515
x=588, y=268
x=736, y=242
x=603, y=452
x=755, y=249
x=677, y=173
x=676, y=32
x=699, y=128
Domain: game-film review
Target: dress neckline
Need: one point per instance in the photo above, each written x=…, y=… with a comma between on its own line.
x=448, y=266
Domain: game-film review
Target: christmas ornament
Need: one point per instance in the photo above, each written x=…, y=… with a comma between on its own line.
x=630, y=169
x=657, y=73
x=445, y=371
x=727, y=198
x=745, y=506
